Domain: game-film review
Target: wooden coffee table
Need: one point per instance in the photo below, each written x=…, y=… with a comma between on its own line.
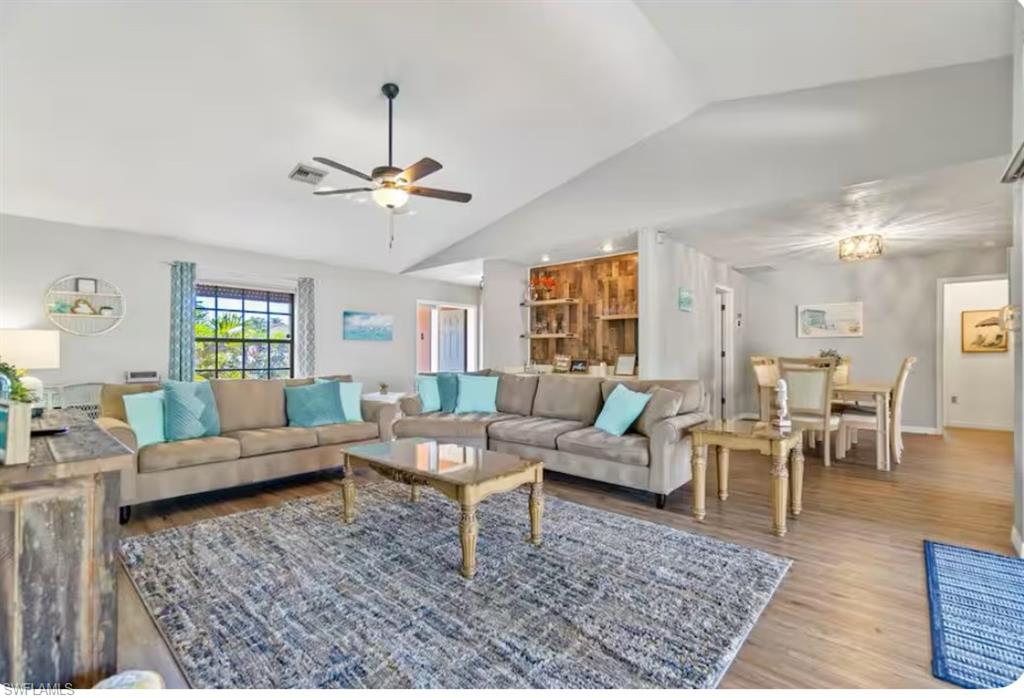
x=464, y=474
x=750, y=436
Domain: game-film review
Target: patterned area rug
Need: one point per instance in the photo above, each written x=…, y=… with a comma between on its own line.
x=290, y=597
x=976, y=601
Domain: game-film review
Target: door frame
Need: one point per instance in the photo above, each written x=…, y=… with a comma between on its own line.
x=724, y=339
x=472, y=332
x=940, y=336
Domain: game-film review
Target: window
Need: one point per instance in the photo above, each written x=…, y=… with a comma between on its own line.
x=243, y=333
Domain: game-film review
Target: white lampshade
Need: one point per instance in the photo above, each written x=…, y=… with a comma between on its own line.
x=30, y=349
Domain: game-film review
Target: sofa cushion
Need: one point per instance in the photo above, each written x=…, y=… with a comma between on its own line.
x=448, y=390
x=516, y=393
x=447, y=425
x=532, y=431
x=145, y=412
x=664, y=403
x=620, y=410
x=256, y=442
x=250, y=404
x=181, y=454
x=477, y=394
x=344, y=433
x=691, y=390
x=568, y=397
x=313, y=405
x=631, y=449
x=430, y=395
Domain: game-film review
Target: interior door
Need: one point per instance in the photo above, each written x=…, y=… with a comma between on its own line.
x=452, y=339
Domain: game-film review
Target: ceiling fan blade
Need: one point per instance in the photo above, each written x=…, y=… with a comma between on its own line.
x=440, y=194
x=328, y=192
x=420, y=170
x=343, y=168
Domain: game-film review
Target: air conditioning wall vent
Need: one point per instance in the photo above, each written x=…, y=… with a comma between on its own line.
x=307, y=175
x=756, y=269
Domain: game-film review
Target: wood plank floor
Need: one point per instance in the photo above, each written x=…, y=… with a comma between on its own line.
x=852, y=612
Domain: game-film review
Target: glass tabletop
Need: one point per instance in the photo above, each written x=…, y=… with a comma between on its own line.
x=442, y=461
x=743, y=427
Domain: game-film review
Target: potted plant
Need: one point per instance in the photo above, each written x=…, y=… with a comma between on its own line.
x=841, y=376
x=545, y=287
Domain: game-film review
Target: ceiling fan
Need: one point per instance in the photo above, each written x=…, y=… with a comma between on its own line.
x=391, y=186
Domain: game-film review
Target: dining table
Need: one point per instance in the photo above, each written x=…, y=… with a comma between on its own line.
x=881, y=395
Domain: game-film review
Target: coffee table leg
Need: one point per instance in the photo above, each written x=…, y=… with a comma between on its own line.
x=414, y=493
x=780, y=490
x=468, y=528
x=796, y=480
x=723, y=473
x=536, y=511
x=348, y=494
x=700, y=466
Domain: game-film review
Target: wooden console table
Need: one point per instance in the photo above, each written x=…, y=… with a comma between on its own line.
x=750, y=436
x=58, y=550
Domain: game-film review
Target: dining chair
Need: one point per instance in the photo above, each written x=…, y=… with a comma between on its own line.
x=854, y=419
x=809, y=388
x=766, y=370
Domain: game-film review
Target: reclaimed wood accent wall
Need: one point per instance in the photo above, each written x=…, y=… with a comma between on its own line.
x=602, y=325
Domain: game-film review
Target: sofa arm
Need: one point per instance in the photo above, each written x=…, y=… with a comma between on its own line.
x=670, y=451
x=411, y=405
x=119, y=430
x=384, y=413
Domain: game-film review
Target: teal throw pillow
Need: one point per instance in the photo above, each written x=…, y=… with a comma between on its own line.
x=477, y=394
x=448, y=387
x=145, y=412
x=313, y=405
x=351, y=401
x=430, y=394
x=620, y=410
x=190, y=411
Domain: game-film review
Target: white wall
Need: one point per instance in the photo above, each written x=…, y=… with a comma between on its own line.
x=1017, y=284
x=900, y=316
x=677, y=344
x=33, y=253
x=503, y=318
x=981, y=383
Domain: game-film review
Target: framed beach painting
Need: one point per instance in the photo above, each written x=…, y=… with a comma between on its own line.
x=367, y=327
x=980, y=332
x=830, y=320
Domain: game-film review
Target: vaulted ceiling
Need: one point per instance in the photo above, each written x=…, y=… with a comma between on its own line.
x=567, y=121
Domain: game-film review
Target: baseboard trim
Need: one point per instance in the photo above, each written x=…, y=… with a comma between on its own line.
x=908, y=428
x=1018, y=543
x=975, y=425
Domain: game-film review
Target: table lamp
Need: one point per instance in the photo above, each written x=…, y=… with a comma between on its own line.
x=28, y=350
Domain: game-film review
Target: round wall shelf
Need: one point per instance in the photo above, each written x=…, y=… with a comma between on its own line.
x=84, y=305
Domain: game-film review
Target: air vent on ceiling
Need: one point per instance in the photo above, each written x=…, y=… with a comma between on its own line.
x=307, y=174
x=756, y=269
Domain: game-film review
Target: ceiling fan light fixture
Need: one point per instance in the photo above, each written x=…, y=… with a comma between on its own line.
x=390, y=197
x=859, y=247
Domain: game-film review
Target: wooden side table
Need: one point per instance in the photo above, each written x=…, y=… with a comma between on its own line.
x=750, y=436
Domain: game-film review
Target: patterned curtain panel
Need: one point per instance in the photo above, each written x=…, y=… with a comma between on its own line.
x=183, y=329
x=305, y=328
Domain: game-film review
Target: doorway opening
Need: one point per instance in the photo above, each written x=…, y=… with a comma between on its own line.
x=722, y=406
x=446, y=337
x=974, y=370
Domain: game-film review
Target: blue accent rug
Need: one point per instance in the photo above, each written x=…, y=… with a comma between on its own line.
x=290, y=597
x=976, y=601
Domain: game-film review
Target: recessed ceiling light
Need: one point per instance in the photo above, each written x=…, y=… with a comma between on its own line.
x=607, y=247
x=545, y=258
x=989, y=243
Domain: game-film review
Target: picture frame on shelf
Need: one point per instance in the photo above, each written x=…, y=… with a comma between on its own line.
x=579, y=366
x=625, y=365
x=86, y=285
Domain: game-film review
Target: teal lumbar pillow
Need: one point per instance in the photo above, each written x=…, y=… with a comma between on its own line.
x=313, y=405
x=145, y=413
x=477, y=394
x=448, y=389
x=190, y=410
x=430, y=394
x=620, y=410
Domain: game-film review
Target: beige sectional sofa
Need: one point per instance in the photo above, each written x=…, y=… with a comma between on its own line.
x=255, y=444
x=551, y=417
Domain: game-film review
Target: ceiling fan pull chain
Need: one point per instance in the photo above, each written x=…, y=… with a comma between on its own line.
x=391, y=229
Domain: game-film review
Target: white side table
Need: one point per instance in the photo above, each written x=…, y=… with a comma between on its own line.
x=389, y=397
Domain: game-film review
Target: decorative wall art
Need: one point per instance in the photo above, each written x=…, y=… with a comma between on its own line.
x=980, y=332
x=685, y=300
x=369, y=327
x=830, y=320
